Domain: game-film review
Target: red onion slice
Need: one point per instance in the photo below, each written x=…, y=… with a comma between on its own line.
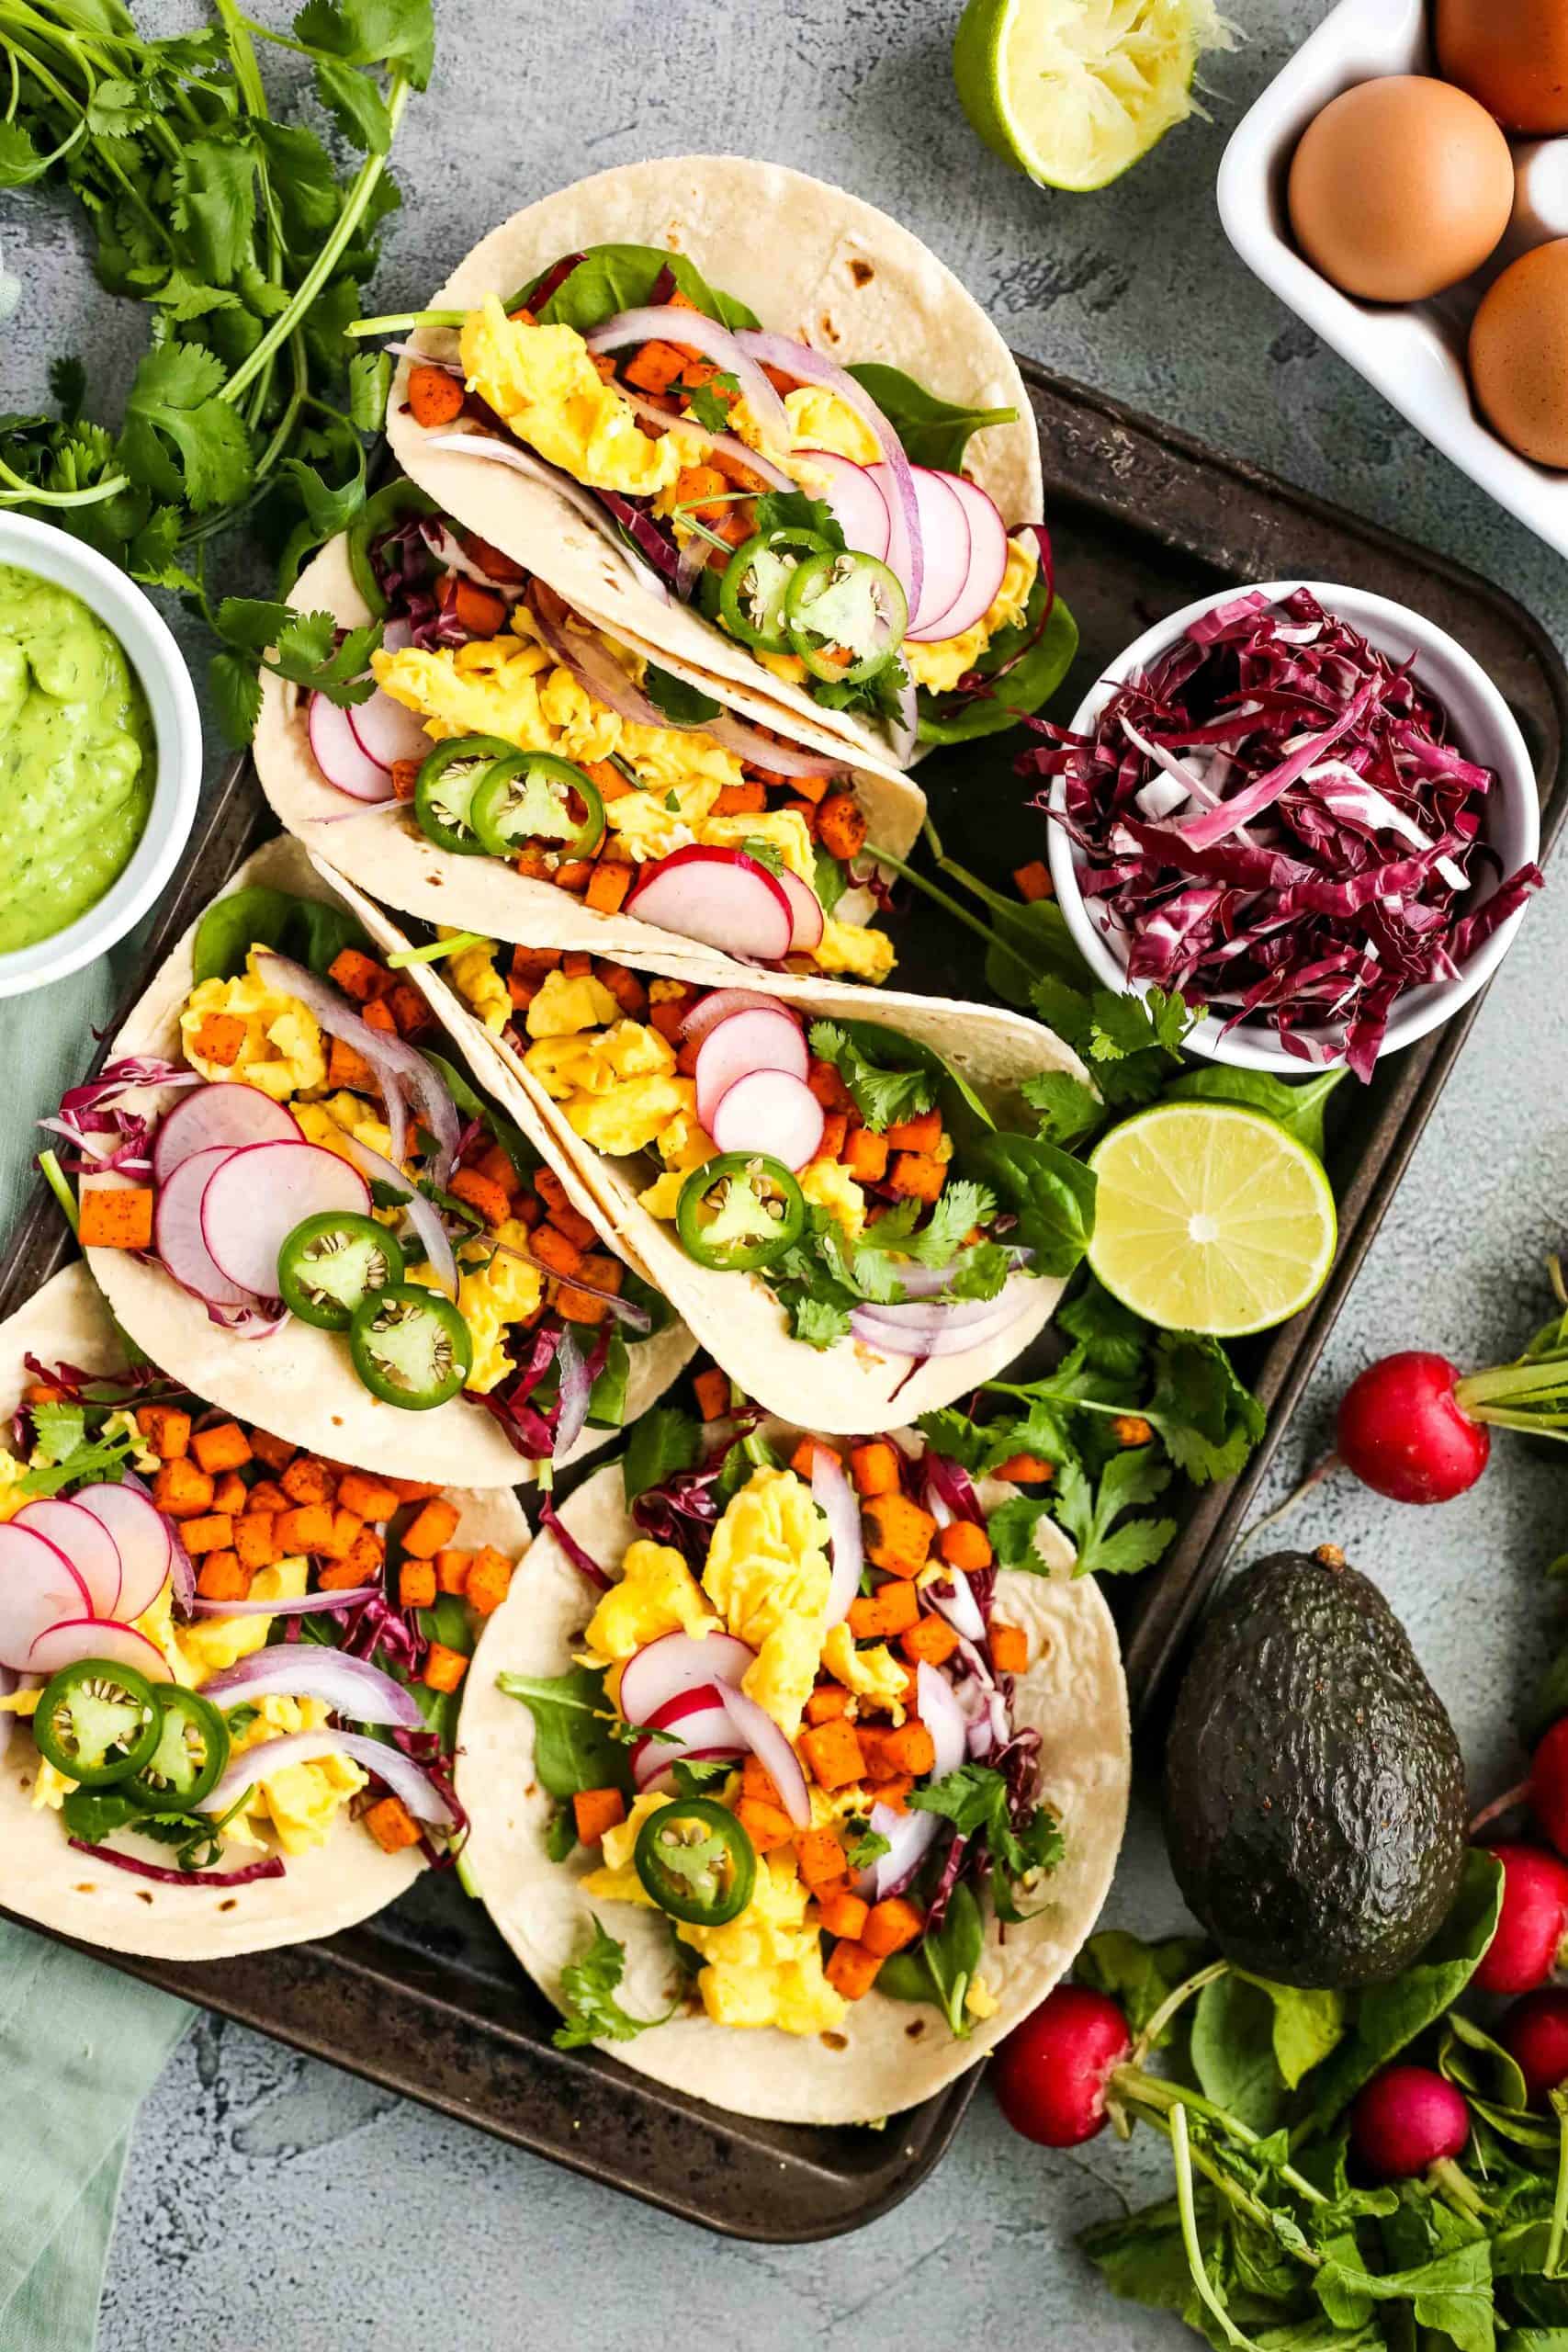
x=869, y=1325
x=985, y=565
x=341, y=756
x=38, y=1588
x=400, y=1066
x=401, y=1774
x=729, y=444
x=834, y=1498
x=779, y=759
x=961, y=1610
x=422, y=1214
x=349, y=1686
x=582, y=650
x=8, y=1681
x=765, y=1039
x=769, y=1743
x=770, y=1111
x=910, y=1838
x=678, y=1663
x=695, y=331
x=807, y=910
x=582, y=501
x=310, y=1604
x=230, y=1113
x=386, y=731
x=718, y=1005
x=177, y=1236
x=87, y=1545
x=857, y=499
x=574, y=1393
x=905, y=553
x=720, y=897
x=255, y=1197
x=141, y=1537
x=75, y=1638
x=942, y=1716
x=956, y=1315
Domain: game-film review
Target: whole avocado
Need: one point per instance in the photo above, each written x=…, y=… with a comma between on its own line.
x=1314, y=1788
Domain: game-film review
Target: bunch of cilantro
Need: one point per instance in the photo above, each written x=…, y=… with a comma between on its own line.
x=249, y=246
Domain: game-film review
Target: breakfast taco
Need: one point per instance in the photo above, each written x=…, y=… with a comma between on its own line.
x=228, y=1667
x=519, y=770
x=293, y=1195
x=741, y=416
x=841, y=1194
x=842, y=1797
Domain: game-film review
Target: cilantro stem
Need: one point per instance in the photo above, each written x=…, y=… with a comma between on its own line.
x=456, y=945
x=54, y=1177
x=960, y=912
x=404, y=321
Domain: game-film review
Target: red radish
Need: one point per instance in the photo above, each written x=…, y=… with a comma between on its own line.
x=717, y=1006
x=944, y=545
x=1533, y=1924
x=142, y=1538
x=255, y=1197
x=176, y=1231
x=772, y=1112
x=1535, y=2035
x=1052, y=2073
x=675, y=1664
x=702, y=1726
x=1407, y=2120
x=1404, y=1432
x=230, y=1114
x=856, y=499
x=806, y=909
x=1549, y=1784
x=340, y=757
x=38, y=1588
x=987, y=568
x=87, y=1543
x=385, y=731
x=772, y=1040
x=719, y=895
x=75, y=1638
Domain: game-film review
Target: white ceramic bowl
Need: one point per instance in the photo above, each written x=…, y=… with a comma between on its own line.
x=1413, y=353
x=159, y=664
x=1483, y=727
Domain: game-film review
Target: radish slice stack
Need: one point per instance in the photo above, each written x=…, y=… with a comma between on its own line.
x=751, y=1073
x=74, y=1575
x=721, y=897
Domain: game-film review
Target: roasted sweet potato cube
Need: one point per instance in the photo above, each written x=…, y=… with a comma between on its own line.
x=444, y=1667
x=1009, y=1646
x=898, y=1534
x=223, y=1577
x=851, y=1969
x=893, y=1923
x=276, y=1452
x=391, y=1825
x=932, y=1640
x=842, y=1913
x=821, y=1860
x=182, y=1489
x=432, y=1530
x=308, y=1479
x=166, y=1430
x=307, y=1528
x=890, y=1610
x=213, y=1531
x=875, y=1467
x=452, y=1570
x=768, y=1825
x=596, y=1810
x=416, y=1585
x=833, y=1751
x=253, y=1539
x=489, y=1580
x=372, y=1498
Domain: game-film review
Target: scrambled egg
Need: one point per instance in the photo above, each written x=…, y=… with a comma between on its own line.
x=657, y=1594
x=873, y=1673
x=851, y=947
x=542, y=381
x=683, y=1146
x=564, y=1006
x=767, y=1574
x=332, y=1122
x=474, y=975
x=818, y=419
x=651, y=828
x=764, y=1968
x=508, y=1288
x=11, y=1499
x=617, y=1086
x=282, y=1052
x=827, y=1185
x=939, y=666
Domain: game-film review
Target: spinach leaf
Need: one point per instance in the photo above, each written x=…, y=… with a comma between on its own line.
x=588, y=2007
x=573, y=1748
x=829, y=879
x=940, y=1968
x=611, y=278
x=682, y=704
x=934, y=432
x=959, y=719
x=662, y=1442
x=1298, y=1108
x=1207, y=1420
x=473, y=1105
x=311, y=931
x=1051, y=1194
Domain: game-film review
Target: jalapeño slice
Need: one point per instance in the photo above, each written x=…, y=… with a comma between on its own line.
x=696, y=1862
x=329, y=1264
x=738, y=1212
x=444, y=787
x=756, y=583
x=410, y=1346
x=189, y=1756
x=845, y=602
x=398, y=502
x=97, y=1723
x=533, y=797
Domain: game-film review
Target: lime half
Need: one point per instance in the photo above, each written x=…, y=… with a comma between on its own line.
x=1209, y=1217
x=1072, y=91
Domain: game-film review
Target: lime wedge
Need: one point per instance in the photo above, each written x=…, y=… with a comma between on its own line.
x=1209, y=1217
x=1074, y=91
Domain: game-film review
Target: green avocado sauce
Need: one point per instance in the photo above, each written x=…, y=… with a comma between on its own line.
x=76, y=758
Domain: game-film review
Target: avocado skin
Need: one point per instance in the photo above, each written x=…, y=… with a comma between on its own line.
x=1314, y=1791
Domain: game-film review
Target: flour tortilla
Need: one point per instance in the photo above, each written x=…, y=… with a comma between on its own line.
x=853, y=1387
x=385, y=852
x=812, y=262
x=44, y=1880
x=300, y=1383
x=1073, y=1693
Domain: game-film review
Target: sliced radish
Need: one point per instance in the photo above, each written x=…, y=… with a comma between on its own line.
x=805, y=907
x=676, y=1663
x=75, y=1638
x=769, y=1743
x=701, y=1724
x=856, y=498
x=770, y=1111
x=761, y=1039
x=663, y=1769
x=944, y=541
x=719, y=895
x=254, y=1199
x=988, y=564
x=230, y=1114
x=176, y=1229
x=87, y=1543
x=386, y=732
x=38, y=1587
x=141, y=1537
x=717, y=1006
x=340, y=755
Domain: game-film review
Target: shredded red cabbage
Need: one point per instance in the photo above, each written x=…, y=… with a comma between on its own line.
x=550, y=1520
x=271, y=1868
x=1277, y=823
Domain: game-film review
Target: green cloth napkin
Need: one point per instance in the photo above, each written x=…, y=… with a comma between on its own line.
x=80, y=2047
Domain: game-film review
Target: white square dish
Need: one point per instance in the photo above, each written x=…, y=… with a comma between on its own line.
x=1413, y=354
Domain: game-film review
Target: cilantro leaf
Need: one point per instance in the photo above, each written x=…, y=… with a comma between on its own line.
x=1124, y=1024
x=1088, y=1513
x=356, y=105
x=236, y=690
x=709, y=402
x=682, y=704
x=869, y=1846
x=1113, y=1340
x=68, y=385
x=1208, y=1419
x=762, y=853
x=792, y=510
x=588, y=1987
x=883, y=1097
x=173, y=398
x=976, y=1799
x=64, y=1455
x=820, y=1322
x=399, y=33
x=1068, y=1109
x=215, y=205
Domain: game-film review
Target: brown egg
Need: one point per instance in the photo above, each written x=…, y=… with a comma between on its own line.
x=1511, y=55
x=1399, y=188
x=1518, y=354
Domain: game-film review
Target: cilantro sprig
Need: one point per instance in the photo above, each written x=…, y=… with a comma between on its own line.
x=589, y=2010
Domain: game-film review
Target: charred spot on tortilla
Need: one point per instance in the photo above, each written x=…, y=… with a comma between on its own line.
x=861, y=272
x=826, y=327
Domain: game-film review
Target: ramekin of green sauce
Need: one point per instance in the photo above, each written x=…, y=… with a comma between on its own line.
x=100, y=754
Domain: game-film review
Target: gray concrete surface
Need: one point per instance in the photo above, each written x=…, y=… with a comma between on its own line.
x=276, y=2205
